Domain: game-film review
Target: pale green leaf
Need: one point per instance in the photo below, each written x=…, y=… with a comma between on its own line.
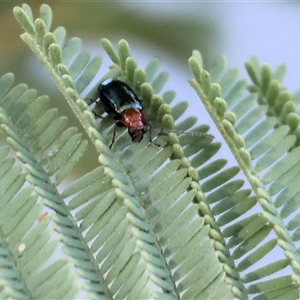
x=151, y=69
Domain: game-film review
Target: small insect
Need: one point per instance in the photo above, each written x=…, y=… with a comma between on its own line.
x=120, y=100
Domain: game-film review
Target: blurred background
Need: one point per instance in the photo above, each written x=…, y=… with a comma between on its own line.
x=166, y=30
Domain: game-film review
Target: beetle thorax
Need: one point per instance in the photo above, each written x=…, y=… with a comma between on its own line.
x=133, y=117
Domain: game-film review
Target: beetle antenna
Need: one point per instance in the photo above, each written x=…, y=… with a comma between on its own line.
x=191, y=133
x=149, y=129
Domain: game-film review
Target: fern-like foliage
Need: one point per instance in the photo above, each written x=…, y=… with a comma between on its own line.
x=261, y=130
x=141, y=224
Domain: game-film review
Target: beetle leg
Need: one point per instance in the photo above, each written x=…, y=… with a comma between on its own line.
x=150, y=136
x=113, y=137
x=96, y=116
x=150, y=133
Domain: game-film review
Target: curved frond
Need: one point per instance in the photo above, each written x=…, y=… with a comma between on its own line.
x=261, y=144
x=121, y=206
x=44, y=163
x=278, y=101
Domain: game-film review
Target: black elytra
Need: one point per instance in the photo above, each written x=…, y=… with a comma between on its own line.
x=117, y=96
x=120, y=100
x=125, y=106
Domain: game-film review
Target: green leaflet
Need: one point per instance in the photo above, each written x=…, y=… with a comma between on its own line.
x=22, y=208
x=139, y=225
x=266, y=139
x=115, y=202
x=10, y=275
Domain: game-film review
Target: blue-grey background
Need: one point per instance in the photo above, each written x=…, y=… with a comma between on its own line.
x=169, y=30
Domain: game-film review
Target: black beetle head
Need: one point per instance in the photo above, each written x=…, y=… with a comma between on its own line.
x=137, y=134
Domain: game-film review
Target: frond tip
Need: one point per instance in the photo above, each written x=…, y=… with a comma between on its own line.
x=254, y=128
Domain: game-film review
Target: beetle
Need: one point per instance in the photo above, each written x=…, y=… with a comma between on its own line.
x=120, y=100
